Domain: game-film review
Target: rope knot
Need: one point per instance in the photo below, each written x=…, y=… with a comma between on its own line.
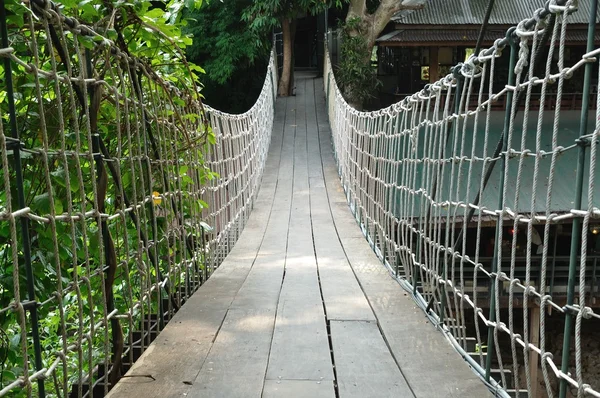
x=584, y=387
x=529, y=290
x=547, y=356
x=523, y=55
x=587, y=312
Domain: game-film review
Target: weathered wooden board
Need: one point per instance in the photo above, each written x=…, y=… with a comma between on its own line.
x=298, y=389
x=366, y=369
x=188, y=337
x=342, y=295
x=344, y=299
x=262, y=286
x=300, y=348
x=236, y=364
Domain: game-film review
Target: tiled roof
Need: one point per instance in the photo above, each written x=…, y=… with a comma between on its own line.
x=462, y=35
x=472, y=12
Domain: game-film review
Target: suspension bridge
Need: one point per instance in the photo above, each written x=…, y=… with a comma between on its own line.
x=157, y=247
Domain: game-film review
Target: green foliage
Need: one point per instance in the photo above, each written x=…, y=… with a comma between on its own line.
x=233, y=56
x=70, y=271
x=221, y=42
x=267, y=14
x=355, y=75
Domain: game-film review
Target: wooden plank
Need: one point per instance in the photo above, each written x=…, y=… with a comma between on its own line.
x=298, y=389
x=342, y=295
x=534, y=338
x=237, y=361
x=300, y=349
x=346, y=225
x=188, y=337
x=366, y=369
x=262, y=286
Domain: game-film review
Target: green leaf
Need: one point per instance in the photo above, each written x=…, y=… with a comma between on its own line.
x=212, y=139
x=111, y=34
x=42, y=203
x=86, y=41
x=203, y=204
x=15, y=341
x=58, y=207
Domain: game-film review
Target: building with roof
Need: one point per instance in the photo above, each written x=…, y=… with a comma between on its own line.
x=422, y=45
x=419, y=47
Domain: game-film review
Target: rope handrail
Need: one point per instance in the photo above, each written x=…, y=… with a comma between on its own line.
x=463, y=227
x=121, y=194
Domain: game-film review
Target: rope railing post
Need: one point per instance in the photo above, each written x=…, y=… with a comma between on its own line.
x=583, y=144
x=32, y=304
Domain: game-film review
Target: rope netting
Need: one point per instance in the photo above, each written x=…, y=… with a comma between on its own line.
x=120, y=195
x=490, y=217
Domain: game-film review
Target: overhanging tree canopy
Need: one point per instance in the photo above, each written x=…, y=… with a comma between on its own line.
x=283, y=13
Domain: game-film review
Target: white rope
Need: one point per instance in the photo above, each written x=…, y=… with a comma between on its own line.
x=238, y=157
x=411, y=172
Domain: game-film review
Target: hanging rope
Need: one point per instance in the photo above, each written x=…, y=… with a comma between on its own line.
x=484, y=25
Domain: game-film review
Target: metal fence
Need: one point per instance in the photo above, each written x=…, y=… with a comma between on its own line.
x=489, y=216
x=120, y=195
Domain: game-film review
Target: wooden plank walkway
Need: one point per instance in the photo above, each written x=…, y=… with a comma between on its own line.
x=301, y=307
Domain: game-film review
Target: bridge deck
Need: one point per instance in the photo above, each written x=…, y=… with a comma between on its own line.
x=301, y=304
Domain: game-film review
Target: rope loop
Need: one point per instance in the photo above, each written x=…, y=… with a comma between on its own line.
x=587, y=312
x=470, y=70
x=522, y=31
x=569, y=7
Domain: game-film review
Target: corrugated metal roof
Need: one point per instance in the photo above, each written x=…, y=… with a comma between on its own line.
x=472, y=12
x=439, y=35
x=462, y=35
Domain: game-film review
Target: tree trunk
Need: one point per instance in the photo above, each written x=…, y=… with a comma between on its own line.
x=292, y=84
x=284, y=81
x=372, y=25
x=361, y=23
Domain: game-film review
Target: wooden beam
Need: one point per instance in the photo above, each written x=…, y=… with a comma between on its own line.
x=434, y=65
x=534, y=338
x=415, y=7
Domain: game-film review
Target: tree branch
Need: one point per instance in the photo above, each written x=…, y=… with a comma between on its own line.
x=376, y=22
